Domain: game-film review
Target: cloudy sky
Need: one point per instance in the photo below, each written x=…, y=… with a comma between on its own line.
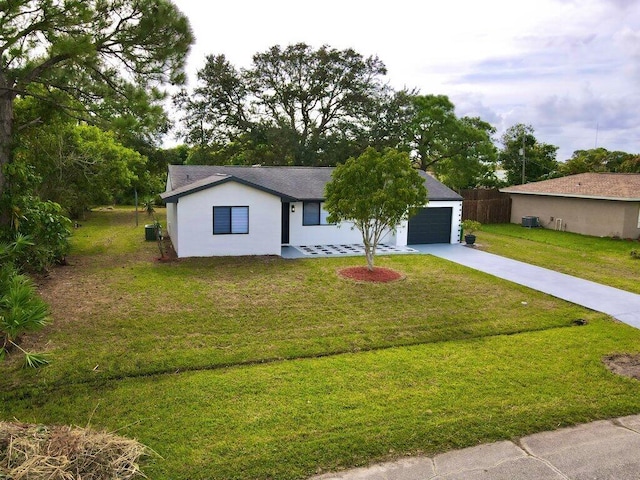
x=569, y=68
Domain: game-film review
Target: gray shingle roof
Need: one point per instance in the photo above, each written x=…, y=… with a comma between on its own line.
x=291, y=183
x=610, y=186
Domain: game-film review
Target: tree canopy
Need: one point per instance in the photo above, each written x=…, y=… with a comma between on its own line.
x=458, y=150
x=297, y=101
x=302, y=106
x=539, y=158
x=601, y=160
x=94, y=60
x=78, y=166
x=375, y=191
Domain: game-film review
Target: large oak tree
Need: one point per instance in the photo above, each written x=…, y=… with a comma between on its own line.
x=93, y=59
x=459, y=150
x=298, y=101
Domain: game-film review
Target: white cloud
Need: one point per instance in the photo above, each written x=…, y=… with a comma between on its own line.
x=562, y=66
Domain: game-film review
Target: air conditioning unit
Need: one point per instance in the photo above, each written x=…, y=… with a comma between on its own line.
x=530, y=222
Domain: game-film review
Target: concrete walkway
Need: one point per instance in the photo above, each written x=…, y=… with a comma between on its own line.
x=622, y=305
x=604, y=450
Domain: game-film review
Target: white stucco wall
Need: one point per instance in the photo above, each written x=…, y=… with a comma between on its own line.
x=195, y=236
x=456, y=217
x=190, y=224
x=332, y=234
x=172, y=224
x=300, y=234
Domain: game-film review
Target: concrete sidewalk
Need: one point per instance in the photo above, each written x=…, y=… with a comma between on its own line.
x=604, y=450
x=620, y=304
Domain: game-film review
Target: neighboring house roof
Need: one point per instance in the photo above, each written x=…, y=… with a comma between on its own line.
x=290, y=183
x=602, y=186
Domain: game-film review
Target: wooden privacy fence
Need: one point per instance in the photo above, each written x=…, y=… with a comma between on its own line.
x=486, y=205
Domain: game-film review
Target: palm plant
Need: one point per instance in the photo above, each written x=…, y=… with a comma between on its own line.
x=21, y=309
x=149, y=207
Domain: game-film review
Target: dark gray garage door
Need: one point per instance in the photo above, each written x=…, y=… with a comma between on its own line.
x=430, y=225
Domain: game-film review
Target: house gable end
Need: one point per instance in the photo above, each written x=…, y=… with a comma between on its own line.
x=214, y=181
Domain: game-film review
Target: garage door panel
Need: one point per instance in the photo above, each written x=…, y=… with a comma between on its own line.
x=430, y=225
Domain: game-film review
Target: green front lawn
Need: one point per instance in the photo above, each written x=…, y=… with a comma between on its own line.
x=264, y=368
x=602, y=260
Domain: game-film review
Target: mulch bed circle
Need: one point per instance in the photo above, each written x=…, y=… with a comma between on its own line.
x=377, y=275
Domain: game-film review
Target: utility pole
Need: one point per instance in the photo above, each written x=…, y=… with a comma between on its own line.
x=523, y=159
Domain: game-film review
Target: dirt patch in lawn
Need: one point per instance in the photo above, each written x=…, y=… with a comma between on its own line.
x=625, y=364
x=377, y=275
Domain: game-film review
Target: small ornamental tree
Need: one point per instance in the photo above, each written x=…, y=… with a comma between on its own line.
x=375, y=191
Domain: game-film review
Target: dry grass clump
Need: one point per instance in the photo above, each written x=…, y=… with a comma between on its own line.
x=66, y=453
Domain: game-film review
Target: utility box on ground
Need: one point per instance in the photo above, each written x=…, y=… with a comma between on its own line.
x=150, y=233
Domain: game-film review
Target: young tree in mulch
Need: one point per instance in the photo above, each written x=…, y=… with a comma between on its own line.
x=375, y=191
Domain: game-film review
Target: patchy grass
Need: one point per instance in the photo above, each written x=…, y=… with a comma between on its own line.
x=291, y=419
x=120, y=313
x=602, y=260
x=264, y=368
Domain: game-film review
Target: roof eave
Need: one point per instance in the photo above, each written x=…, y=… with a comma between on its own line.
x=572, y=195
x=445, y=199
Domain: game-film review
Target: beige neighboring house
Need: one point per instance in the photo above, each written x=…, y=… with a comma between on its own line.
x=599, y=204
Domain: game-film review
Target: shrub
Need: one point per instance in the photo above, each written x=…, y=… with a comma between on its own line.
x=470, y=226
x=48, y=229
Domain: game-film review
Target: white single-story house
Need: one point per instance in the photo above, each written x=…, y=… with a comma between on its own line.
x=598, y=204
x=237, y=210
